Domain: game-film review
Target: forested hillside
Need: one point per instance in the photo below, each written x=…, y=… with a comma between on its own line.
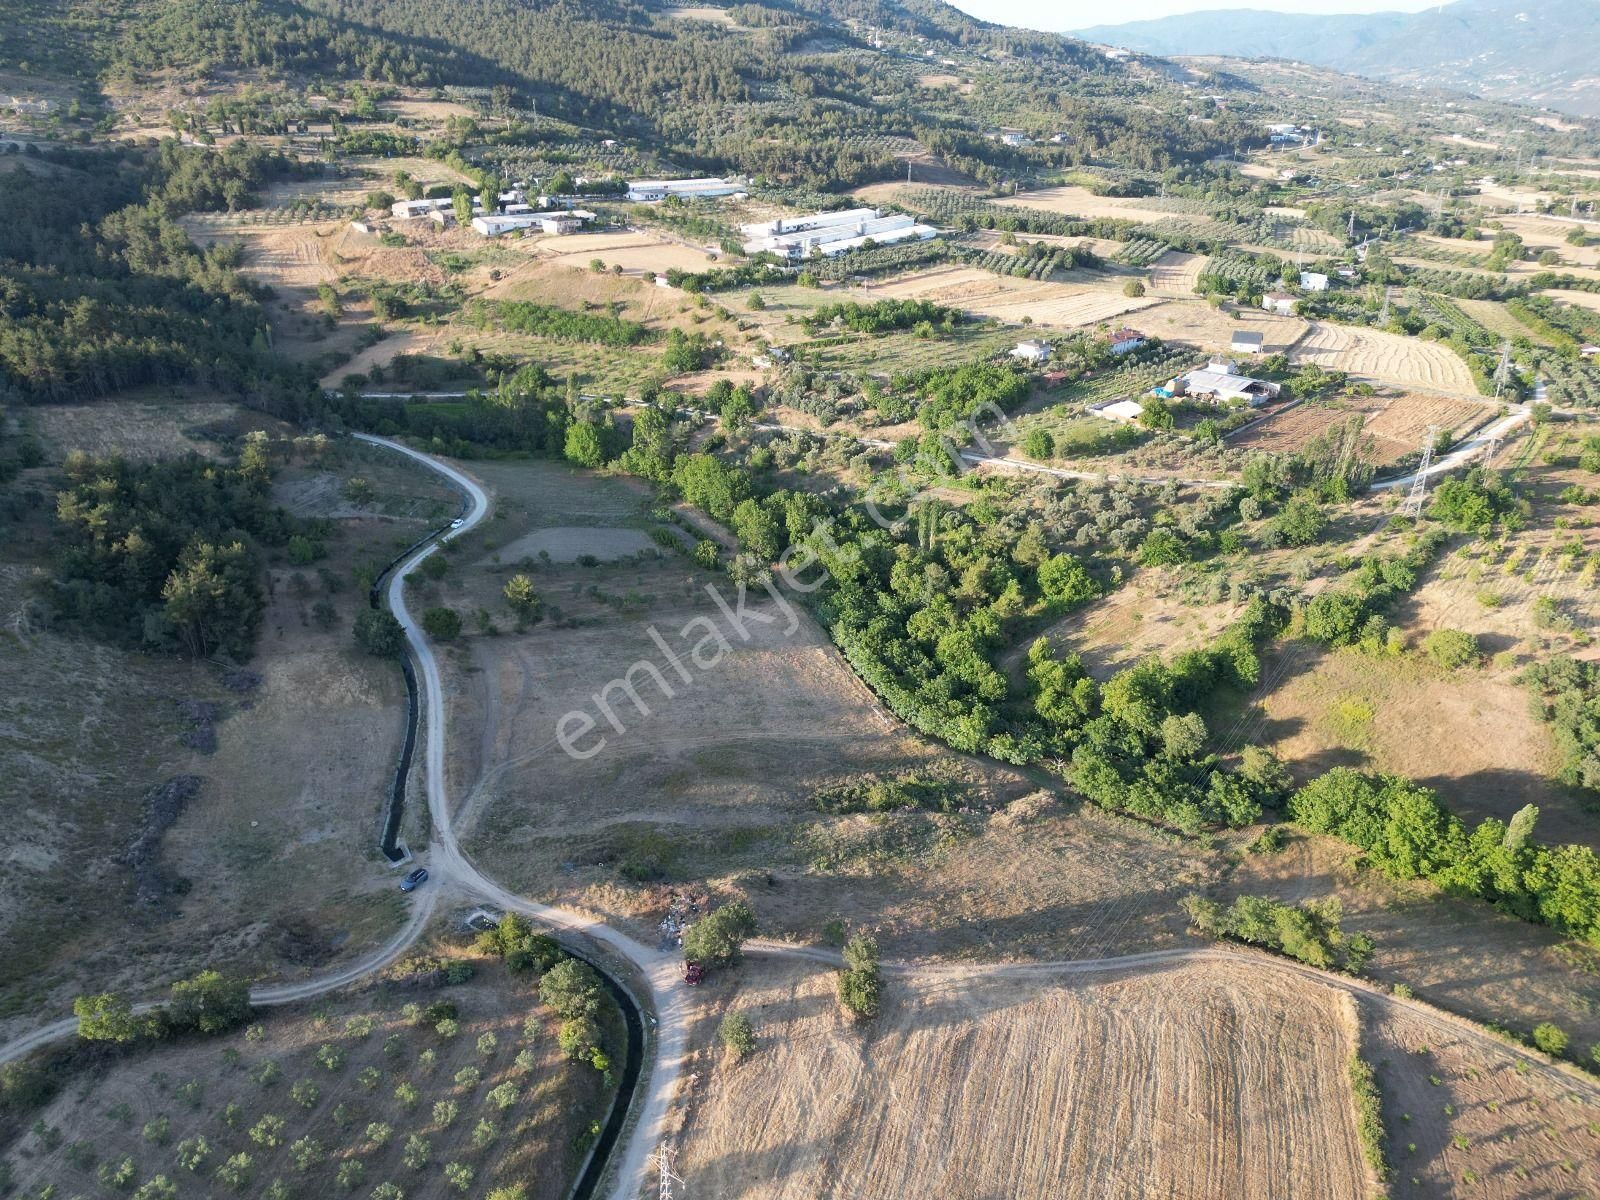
x=780, y=89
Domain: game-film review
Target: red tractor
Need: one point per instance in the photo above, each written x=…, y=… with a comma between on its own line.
x=693, y=973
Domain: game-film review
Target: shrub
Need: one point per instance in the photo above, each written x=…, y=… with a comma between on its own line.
x=193, y=1152
x=1452, y=649
x=1550, y=1038
x=571, y=988
x=442, y=624
x=417, y=1152
x=268, y=1131
x=158, y=1187
x=504, y=1095
x=737, y=1035
x=236, y=1171
x=859, y=986
x=305, y=1093
x=445, y=1113
x=306, y=1152
x=459, y=1175
x=718, y=936
x=350, y=1174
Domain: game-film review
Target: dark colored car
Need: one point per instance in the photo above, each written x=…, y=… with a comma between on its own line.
x=414, y=880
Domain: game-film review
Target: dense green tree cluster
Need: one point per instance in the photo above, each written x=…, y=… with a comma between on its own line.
x=562, y=324
x=107, y=292
x=1407, y=834
x=1569, y=699
x=1352, y=611
x=882, y=316
x=1475, y=501
x=1308, y=932
x=165, y=554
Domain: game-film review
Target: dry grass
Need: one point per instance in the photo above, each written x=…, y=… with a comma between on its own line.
x=1387, y=357
x=1081, y=202
x=278, y=850
x=1198, y=324
x=1188, y=1081
x=712, y=788
x=1066, y=306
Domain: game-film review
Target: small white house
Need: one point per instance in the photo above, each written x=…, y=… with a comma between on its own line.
x=1124, y=340
x=410, y=210
x=1313, y=281
x=1032, y=351
x=1245, y=341
x=1281, y=303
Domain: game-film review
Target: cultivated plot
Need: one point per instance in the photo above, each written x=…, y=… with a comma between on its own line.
x=1388, y=357
x=988, y=295
x=1181, y=1081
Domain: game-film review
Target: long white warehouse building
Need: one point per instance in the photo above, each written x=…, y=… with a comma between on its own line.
x=833, y=233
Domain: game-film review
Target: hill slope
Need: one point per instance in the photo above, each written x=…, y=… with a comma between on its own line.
x=1533, y=51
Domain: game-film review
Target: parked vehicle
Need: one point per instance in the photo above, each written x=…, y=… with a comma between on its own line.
x=693, y=973
x=414, y=880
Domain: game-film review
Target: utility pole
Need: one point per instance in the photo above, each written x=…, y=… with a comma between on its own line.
x=1419, y=485
x=664, y=1169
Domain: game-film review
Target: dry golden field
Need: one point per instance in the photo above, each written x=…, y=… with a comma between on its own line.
x=1205, y=1080
x=1175, y=273
x=1066, y=306
x=1387, y=357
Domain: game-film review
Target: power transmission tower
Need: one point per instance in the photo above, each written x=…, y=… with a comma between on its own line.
x=664, y=1169
x=1419, y=485
x=1383, y=318
x=1502, y=373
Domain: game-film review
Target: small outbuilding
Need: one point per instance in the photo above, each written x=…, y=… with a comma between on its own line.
x=1032, y=351
x=1281, y=303
x=1246, y=341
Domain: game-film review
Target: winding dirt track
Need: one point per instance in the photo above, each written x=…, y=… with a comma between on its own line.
x=456, y=876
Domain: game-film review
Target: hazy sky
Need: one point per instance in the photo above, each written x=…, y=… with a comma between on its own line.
x=1062, y=15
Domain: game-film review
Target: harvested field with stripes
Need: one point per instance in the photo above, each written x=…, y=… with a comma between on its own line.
x=1175, y=273
x=1210, y=329
x=1196, y=1079
x=1387, y=357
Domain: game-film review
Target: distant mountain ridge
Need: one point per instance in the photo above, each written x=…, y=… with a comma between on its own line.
x=1539, y=52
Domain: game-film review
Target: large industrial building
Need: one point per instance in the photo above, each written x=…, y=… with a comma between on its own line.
x=832, y=233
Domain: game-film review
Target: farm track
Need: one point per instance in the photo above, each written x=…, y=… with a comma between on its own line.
x=457, y=877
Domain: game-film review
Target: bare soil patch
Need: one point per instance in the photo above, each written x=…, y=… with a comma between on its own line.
x=1460, y=1115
